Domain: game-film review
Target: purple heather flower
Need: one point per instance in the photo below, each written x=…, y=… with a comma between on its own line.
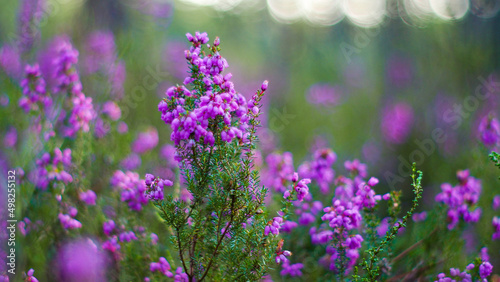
x=397, y=121
x=155, y=187
x=342, y=217
x=131, y=162
x=320, y=168
x=100, y=51
x=279, y=170
x=489, y=130
x=132, y=189
x=127, y=236
x=81, y=260
x=112, y=110
x=122, y=128
x=180, y=276
x=417, y=217
x=190, y=113
x=34, y=96
x=288, y=226
x=273, y=226
x=496, y=202
x=485, y=269
x=88, y=197
x=111, y=245
x=496, y=227
x=355, y=167
x=161, y=266
x=108, y=227
x=145, y=141
x=324, y=95
x=291, y=269
x=154, y=239
x=10, y=60
x=10, y=138
x=30, y=14
x=69, y=222
x=306, y=218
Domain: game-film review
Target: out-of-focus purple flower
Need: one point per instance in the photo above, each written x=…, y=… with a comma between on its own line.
x=291, y=269
x=10, y=60
x=88, y=197
x=112, y=110
x=145, y=141
x=108, y=227
x=10, y=138
x=417, y=217
x=306, y=218
x=111, y=245
x=496, y=202
x=100, y=51
x=30, y=14
x=288, y=226
x=489, y=131
x=485, y=269
x=81, y=260
x=161, y=266
x=127, y=236
x=356, y=167
x=132, y=189
x=131, y=162
x=399, y=71
x=279, y=170
x=154, y=238
x=69, y=222
x=496, y=228
x=323, y=94
x=167, y=152
x=180, y=276
x=397, y=121
x=320, y=168
x=117, y=76
x=122, y=128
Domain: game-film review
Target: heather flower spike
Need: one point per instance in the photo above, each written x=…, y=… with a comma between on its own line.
x=213, y=128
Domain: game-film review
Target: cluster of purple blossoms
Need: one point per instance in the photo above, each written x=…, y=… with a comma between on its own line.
x=489, y=131
x=299, y=187
x=356, y=168
x=161, y=266
x=68, y=221
x=132, y=188
x=111, y=245
x=320, y=168
x=34, y=92
x=52, y=169
x=192, y=114
x=307, y=212
x=485, y=270
x=461, y=198
x=342, y=217
x=273, y=226
x=127, y=236
x=155, y=187
x=68, y=80
x=88, y=197
x=81, y=260
x=365, y=196
x=397, y=121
